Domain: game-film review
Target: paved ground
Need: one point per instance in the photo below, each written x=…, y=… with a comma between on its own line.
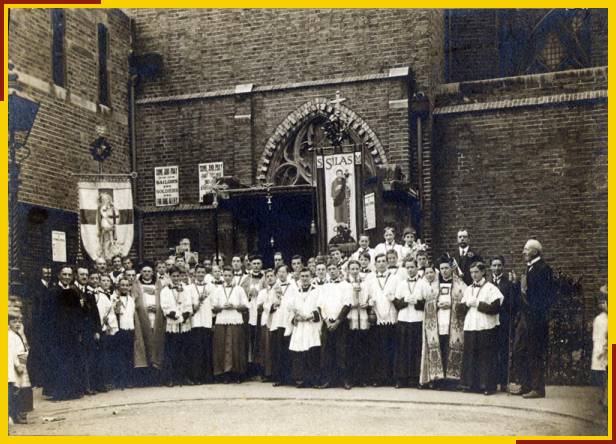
x=259, y=409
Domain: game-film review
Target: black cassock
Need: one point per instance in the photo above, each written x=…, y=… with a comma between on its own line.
x=508, y=311
x=41, y=327
x=69, y=351
x=532, y=332
x=480, y=359
x=409, y=338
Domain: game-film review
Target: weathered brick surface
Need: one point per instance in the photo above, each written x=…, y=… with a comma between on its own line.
x=474, y=46
x=511, y=175
x=60, y=139
x=186, y=134
x=209, y=49
x=536, y=85
x=157, y=229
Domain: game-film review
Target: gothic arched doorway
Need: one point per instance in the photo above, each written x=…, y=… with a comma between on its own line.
x=289, y=161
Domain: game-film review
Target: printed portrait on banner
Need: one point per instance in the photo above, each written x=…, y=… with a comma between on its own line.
x=339, y=170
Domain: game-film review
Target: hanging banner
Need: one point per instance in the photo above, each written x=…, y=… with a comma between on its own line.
x=207, y=173
x=166, y=186
x=339, y=179
x=106, y=216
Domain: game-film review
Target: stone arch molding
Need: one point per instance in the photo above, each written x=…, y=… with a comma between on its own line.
x=307, y=112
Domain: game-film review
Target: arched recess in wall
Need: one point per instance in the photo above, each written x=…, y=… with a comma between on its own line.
x=287, y=157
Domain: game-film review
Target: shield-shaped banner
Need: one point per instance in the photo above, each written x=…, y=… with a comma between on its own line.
x=106, y=217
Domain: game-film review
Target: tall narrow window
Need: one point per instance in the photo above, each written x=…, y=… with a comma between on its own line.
x=58, y=56
x=103, y=74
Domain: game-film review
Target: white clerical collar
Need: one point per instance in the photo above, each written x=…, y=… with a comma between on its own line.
x=480, y=283
x=534, y=261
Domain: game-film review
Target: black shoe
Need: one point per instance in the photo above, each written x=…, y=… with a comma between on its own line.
x=20, y=420
x=189, y=382
x=276, y=384
x=324, y=386
x=489, y=392
x=347, y=386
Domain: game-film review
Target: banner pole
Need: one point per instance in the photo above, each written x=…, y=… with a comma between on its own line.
x=79, y=252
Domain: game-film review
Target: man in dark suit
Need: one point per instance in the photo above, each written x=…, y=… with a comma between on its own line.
x=508, y=310
x=465, y=256
x=90, y=330
x=531, y=337
x=38, y=329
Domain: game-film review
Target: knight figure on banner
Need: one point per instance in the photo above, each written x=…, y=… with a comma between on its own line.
x=106, y=217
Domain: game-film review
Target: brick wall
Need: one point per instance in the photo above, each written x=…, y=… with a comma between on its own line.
x=209, y=49
x=273, y=47
x=512, y=174
x=473, y=46
x=207, y=131
x=65, y=124
x=156, y=231
x=67, y=118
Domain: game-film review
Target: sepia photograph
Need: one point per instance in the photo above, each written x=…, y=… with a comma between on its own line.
x=307, y=222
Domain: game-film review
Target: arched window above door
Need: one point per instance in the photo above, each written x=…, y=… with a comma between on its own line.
x=288, y=158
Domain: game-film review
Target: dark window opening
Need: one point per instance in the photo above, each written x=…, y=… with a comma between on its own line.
x=103, y=73
x=58, y=56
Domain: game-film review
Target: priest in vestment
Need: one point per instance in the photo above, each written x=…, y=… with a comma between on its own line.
x=149, y=327
x=443, y=331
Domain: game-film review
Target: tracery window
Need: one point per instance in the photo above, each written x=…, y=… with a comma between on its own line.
x=537, y=41
x=293, y=163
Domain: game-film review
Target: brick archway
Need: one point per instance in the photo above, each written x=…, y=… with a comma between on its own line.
x=307, y=112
